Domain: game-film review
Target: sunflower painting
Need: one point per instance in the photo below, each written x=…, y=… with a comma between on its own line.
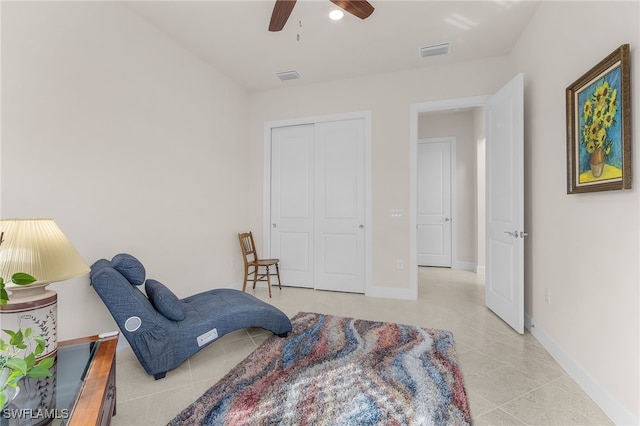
x=600, y=145
x=598, y=127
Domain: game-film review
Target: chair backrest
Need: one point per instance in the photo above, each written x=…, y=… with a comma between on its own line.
x=117, y=282
x=248, y=247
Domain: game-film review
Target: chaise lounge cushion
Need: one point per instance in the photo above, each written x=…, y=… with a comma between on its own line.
x=164, y=300
x=129, y=267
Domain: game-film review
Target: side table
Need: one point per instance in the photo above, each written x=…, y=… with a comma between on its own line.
x=96, y=400
x=81, y=391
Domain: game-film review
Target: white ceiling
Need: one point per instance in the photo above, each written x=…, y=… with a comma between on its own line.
x=232, y=36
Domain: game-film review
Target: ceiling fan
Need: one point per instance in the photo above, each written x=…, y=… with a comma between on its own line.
x=282, y=9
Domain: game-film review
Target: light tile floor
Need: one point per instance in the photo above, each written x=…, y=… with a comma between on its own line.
x=510, y=378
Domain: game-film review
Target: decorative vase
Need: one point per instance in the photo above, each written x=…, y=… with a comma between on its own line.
x=597, y=162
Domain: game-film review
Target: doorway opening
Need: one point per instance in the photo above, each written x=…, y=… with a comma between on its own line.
x=504, y=186
x=427, y=122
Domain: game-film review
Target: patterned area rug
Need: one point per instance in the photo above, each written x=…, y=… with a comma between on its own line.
x=340, y=371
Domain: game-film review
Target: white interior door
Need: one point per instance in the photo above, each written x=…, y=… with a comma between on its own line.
x=318, y=204
x=339, y=207
x=504, y=288
x=434, y=203
x=292, y=195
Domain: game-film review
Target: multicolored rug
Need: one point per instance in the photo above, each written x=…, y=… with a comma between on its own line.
x=340, y=371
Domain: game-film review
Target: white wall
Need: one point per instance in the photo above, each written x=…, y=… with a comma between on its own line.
x=461, y=126
x=584, y=248
x=128, y=141
x=389, y=98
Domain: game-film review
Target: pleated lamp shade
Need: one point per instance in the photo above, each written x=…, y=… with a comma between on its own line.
x=39, y=248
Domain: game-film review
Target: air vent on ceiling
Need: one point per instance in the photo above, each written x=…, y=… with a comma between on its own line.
x=288, y=75
x=435, y=49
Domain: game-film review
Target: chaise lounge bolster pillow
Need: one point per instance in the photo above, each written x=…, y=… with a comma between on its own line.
x=129, y=267
x=164, y=300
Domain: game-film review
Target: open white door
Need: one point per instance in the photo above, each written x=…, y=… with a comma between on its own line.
x=504, y=289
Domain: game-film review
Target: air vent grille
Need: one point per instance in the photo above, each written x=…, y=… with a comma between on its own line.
x=435, y=49
x=288, y=75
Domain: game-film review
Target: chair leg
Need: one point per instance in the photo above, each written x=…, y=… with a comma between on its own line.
x=255, y=276
x=269, y=281
x=278, y=274
x=246, y=275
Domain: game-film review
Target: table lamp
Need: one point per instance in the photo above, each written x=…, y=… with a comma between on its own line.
x=39, y=248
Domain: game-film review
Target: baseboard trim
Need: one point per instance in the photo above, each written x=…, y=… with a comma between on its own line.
x=465, y=266
x=600, y=395
x=392, y=293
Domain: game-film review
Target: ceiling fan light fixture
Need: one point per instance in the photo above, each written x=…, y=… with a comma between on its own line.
x=336, y=15
x=436, y=49
x=288, y=75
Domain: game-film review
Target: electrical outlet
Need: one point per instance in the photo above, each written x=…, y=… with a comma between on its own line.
x=547, y=295
x=400, y=264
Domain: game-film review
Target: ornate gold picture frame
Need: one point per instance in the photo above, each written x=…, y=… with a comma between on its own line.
x=599, y=126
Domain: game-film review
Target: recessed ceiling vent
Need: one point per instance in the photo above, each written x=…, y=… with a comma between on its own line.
x=288, y=75
x=436, y=49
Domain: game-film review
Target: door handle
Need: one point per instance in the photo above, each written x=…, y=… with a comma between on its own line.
x=361, y=226
x=513, y=234
x=446, y=219
x=274, y=225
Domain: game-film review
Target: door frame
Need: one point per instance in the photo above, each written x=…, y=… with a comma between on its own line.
x=415, y=110
x=451, y=140
x=266, y=180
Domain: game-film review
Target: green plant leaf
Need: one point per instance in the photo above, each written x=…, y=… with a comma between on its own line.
x=9, y=332
x=3, y=398
x=28, y=331
x=16, y=338
x=20, y=278
x=14, y=378
x=47, y=363
x=17, y=364
x=41, y=344
x=39, y=372
x=30, y=360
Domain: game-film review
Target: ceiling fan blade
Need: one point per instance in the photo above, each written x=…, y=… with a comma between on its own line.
x=281, y=11
x=360, y=8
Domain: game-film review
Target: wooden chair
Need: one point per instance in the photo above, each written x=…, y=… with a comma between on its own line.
x=251, y=260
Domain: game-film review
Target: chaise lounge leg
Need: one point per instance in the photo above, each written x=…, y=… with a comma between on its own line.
x=283, y=334
x=160, y=375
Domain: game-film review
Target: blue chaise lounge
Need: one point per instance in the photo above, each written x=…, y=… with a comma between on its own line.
x=165, y=331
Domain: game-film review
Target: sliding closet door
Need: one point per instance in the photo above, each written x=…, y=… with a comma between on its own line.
x=317, y=204
x=339, y=206
x=292, y=203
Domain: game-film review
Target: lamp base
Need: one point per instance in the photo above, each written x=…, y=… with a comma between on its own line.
x=22, y=291
x=37, y=311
